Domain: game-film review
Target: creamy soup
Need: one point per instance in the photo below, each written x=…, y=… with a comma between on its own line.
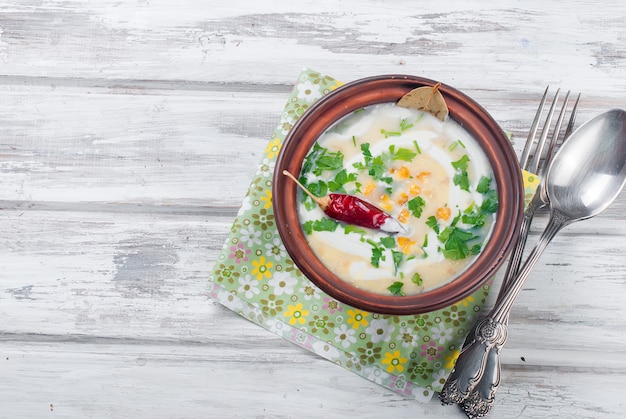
x=429, y=175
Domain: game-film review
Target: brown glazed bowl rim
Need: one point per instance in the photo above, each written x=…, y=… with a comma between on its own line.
x=390, y=88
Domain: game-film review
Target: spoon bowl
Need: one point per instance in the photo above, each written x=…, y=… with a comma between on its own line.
x=584, y=178
x=589, y=170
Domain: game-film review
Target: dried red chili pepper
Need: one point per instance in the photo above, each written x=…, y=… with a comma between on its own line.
x=353, y=210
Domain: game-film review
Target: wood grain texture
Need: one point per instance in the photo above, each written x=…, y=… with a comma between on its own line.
x=128, y=135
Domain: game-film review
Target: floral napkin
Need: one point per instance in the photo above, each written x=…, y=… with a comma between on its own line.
x=254, y=276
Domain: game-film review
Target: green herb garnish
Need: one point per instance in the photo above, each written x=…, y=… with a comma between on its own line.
x=375, y=165
x=324, y=224
x=401, y=154
x=396, y=288
x=417, y=279
x=490, y=203
x=340, y=179
x=351, y=228
x=319, y=188
x=330, y=161
x=461, y=179
x=388, y=242
x=483, y=184
x=377, y=256
x=397, y=260
x=404, y=124
x=474, y=217
x=417, y=147
x=388, y=134
x=455, y=242
x=455, y=144
x=416, y=206
x=433, y=223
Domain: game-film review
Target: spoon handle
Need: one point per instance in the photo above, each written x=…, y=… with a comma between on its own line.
x=557, y=221
x=538, y=202
x=491, y=333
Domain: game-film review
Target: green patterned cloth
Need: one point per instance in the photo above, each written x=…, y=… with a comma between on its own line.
x=254, y=276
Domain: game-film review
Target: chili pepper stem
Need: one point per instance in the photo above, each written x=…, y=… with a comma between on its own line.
x=322, y=202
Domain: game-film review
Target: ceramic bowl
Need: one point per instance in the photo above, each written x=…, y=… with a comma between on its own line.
x=390, y=88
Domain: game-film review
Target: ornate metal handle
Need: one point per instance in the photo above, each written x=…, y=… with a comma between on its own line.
x=490, y=335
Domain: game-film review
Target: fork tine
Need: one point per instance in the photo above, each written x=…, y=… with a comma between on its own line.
x=557, y=129
x=533, y=167
x=533, y=131
x=555, y=137
x=572, y=120
x=515, y=258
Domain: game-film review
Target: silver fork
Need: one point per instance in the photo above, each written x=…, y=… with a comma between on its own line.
x=476, y=376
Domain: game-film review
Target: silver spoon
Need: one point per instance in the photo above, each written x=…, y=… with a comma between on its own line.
x=585, y=177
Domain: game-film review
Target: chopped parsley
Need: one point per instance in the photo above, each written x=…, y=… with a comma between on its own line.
x=397, y=260
x=401, y=154
x=388, y=242
x=416, y=206
x=455, y=242
x=375, y=166
x=417, y=279
x=377, y=256
x=433, y=223
x=490, y=203
x=339, y=181
x=351, y=228
x=461, y=178
x=396, y=288
x=323, y=224
x=474, y=217
x=319, y=188
x=483, y=184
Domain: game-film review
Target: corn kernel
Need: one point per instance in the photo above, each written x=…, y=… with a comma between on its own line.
x=403, y=172
x=415, y=189
x=369, y=188
x=443, y=213
x=403, y=198
x=385, y=204
x=404, y=215
x=405, y=244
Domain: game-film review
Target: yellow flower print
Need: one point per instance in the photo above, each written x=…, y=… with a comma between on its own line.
x=273, y=147
x=394, y=361
x=530, y=179
x=267, y=199
x=467, y=301
x=451, y=359
x=296, y=314
x=262, y=268
x=357, y=318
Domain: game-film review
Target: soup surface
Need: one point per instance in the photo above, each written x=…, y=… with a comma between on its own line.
x=429, y=175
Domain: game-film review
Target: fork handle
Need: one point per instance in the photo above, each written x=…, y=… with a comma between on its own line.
x=491, y=332
x=537, y=202
x=481, y=399
x=470, y=366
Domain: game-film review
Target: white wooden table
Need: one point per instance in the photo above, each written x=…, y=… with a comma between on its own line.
x=129, y=132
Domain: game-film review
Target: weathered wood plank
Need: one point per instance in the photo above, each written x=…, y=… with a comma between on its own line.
x=128, y=135
x=270, y=42
x=122, y=379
